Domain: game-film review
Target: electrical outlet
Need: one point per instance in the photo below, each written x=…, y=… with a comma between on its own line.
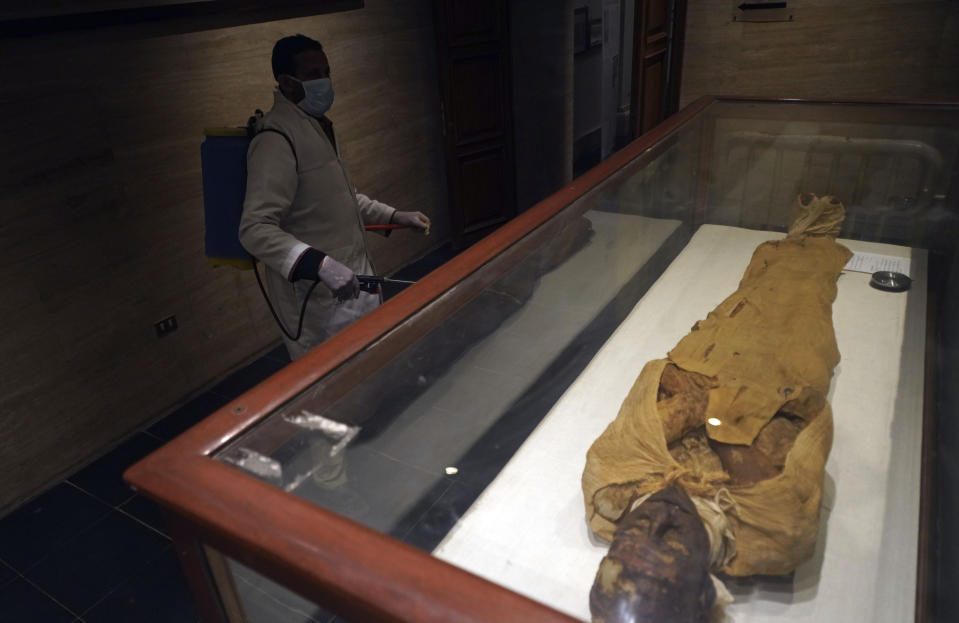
x=166, y=326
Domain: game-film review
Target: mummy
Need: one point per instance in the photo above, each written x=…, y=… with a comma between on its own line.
x=716, y=458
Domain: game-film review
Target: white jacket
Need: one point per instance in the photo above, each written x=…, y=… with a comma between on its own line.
x=303, y=200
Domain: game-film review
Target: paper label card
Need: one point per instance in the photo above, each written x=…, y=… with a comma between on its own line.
x=873, y=262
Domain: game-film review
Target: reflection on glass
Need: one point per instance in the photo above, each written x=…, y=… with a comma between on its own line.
x=436, y=422
x=249, y=597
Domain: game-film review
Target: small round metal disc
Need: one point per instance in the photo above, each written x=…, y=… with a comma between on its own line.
x=890, y=281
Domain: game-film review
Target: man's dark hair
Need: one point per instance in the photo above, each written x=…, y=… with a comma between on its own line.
x=287, y=48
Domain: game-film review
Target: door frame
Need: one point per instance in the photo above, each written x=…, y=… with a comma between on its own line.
x=676, y=41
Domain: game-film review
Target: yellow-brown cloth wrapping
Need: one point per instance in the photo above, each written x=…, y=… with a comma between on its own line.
x=768, y=346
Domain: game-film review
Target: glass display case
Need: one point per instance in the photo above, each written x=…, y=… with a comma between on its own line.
x=425, y=464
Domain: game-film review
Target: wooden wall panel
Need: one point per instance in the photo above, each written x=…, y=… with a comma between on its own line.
x=864, y=48
x=101, y=225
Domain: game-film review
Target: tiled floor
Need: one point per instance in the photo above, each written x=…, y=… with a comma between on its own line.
x=91, y=550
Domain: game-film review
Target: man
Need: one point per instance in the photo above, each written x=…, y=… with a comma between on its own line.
x=302, y=217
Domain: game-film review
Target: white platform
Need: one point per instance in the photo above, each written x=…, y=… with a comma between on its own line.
x=528, y=530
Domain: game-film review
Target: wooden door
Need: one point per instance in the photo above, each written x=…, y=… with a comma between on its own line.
x=658, y=40
x=474, y=69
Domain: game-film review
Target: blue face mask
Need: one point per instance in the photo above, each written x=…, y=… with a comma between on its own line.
x=318, y=96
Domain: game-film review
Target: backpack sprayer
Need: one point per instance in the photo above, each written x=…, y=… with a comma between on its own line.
x=223, y=159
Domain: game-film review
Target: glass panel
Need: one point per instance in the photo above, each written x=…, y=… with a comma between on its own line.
x=249, y=597
x=464, y=430
x=442, y=403
x=890, y=165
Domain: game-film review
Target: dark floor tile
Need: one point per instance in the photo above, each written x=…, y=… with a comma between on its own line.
x=245, y=378
x=426, y=264
x=389, y=290
x=188, y=415
x=97, y=561
x=104, y=477
x=440, y=518
x=279, y=354
x=6, y=574
x=156, y=593
x=146, y=511
x=39, y=527
x=417, y=270
x=22, y=603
